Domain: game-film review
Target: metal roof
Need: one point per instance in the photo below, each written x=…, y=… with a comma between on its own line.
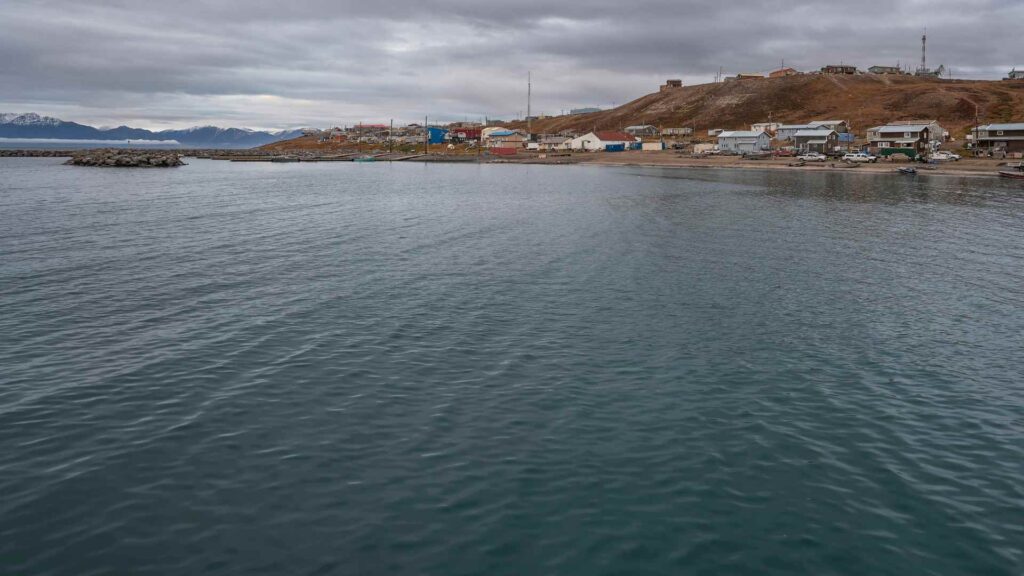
x=902, y=128
x=795, y=126
x=740, y=134
x=823, y=122
x=813, y=133
x=817, y=141
x=1012, y=126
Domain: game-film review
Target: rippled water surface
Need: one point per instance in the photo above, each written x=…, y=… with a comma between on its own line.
x=508, y=370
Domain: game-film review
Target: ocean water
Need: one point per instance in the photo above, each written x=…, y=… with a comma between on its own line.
x=343, y=368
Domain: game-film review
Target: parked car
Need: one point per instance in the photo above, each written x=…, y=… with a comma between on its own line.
x=944, y=155
x=859, y=157
x=812, y=157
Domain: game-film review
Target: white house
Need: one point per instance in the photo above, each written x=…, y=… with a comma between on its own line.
x=601, y=140
x=744, y=141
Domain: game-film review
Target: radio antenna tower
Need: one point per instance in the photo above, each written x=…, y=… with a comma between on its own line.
x=529, y=96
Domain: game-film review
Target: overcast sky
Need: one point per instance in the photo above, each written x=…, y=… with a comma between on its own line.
x=278, y=64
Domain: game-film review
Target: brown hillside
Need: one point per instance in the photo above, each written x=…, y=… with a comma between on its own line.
x=863, y=101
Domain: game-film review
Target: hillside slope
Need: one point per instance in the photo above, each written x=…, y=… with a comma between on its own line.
x=863, y=101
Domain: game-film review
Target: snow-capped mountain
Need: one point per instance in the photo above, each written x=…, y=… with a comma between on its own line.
x=31, y=126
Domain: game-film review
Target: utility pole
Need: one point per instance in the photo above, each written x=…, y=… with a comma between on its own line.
x=391, y=138
x=974, y=144
x=529, y=96
x=426, y=136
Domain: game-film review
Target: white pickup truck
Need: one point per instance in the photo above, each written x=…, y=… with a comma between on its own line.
x=859, y=157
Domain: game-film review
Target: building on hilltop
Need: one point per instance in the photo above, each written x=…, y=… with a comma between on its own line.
x=576, y=111
x=670, y=85
x=1015, y=75
x=839, y=69
x=894, y=70
x=782, y=72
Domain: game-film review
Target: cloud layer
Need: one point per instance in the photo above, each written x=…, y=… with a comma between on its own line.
x=316, y=62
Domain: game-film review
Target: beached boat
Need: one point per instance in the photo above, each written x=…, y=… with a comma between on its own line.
x=1012, y=174
x=365, y=159
x=907, y=170
x=797, y=164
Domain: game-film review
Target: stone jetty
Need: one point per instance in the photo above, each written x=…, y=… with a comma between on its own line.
x=122, y=158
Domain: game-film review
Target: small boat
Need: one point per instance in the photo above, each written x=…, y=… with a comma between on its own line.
x=365, y=159
x=797, y=164
x=1012, y=174
x=907, y=170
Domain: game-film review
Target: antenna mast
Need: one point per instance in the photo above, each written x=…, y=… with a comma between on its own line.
x=529, y=96
x=924, y=51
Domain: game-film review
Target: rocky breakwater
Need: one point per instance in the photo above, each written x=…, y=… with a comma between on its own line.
x=118, y=158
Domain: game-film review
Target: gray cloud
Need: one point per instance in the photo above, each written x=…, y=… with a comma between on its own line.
x=317, y=62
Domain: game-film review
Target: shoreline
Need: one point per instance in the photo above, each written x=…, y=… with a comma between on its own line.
x=964, y=168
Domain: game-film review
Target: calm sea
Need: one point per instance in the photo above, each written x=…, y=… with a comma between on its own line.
x=341, y=368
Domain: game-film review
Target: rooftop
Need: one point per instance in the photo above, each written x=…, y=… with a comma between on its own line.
x=1011, y=126
x=740, y=134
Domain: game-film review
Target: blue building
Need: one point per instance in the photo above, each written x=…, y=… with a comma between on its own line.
x=437, y=135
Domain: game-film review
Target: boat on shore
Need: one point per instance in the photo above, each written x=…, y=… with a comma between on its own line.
x=1013, y=171
x=907, y=170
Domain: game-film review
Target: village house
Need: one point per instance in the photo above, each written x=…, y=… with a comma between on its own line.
x=504, y=139
x=603, y=140
x=913, y=136
x=743, y=141
x=715, y=131
x=786, y=131
x=552, y=143
x=686, y=131
x=937, y=133
x=642, y=130
x=821, y=140
x=838, y=69
x=748, y=76
x=1001, y=137
x=782, y=72
x=1015, y=75
x=885, y=70
x=840, y=126
x=770, y=127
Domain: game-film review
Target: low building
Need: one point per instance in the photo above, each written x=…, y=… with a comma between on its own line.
x=437, y=135
x=603, y=140
x=748, y=76
x=552, y=143
x=820, y=140
x=504, y=139
x=895, y=70
x=671, y=85
x=913, y=136
x=782, y=72
x=686, y=131
x=744, y=141
x=1004, y=137
x=1015, y=75
x=715, y=131
x=642, y=130
x=838, y=69
x=652, y=146
x=576, y=111
x=770, y=127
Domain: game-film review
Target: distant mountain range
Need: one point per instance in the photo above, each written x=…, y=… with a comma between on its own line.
x=34, y=126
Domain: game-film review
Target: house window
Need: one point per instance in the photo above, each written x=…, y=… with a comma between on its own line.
x=999, y=133
x=908, y=135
